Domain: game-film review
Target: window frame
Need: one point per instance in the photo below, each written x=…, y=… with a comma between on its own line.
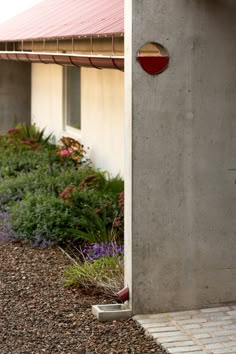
x=66, y=126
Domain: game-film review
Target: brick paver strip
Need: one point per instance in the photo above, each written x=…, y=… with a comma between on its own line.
x=205, y=331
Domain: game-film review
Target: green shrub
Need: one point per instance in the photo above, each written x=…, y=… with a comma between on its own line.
x=104, y=275
x=42, y=215
x=47, y=176
x=21, y=159
x=57, y=197
x=97, y=202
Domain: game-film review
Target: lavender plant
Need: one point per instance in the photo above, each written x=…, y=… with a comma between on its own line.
x=41, y=242
x=104, y=249
x=7, y=234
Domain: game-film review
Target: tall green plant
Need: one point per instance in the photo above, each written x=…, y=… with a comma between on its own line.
x=104, y=275
x=33, y=134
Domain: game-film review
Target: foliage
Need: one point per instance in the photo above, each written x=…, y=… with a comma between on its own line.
x=31, y=135
x=103, y=275
x=19, y=158
x=42, y=216
x=25, y=135
x=97, y=200
x=52, y=197
x=44, y=179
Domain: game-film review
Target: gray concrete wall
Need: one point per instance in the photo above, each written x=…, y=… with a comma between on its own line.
x=15, y=94
x=181, y=194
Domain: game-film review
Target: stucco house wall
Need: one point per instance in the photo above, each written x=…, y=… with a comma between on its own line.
x=102, y=111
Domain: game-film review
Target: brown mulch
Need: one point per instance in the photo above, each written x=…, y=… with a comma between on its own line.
x=38, y=315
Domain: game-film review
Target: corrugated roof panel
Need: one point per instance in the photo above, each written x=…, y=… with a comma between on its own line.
x=66, y=18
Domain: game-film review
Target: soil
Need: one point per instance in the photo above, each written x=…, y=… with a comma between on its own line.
x=39, y=315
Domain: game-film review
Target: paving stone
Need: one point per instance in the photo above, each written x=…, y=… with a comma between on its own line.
x=187, y=349
x=154, y=324
x=215, y=345
x=194, y=352
x=224, y=351
x=198, y=352
x=191, y=326
x=215, y=340
x=232, y=326
x=202, y=335
x=203, y=331
x=153, y=320
x=215, y=309
x=232, y=312
x=217, y=323
x=163, y=329
x=226, y=332
x=179, y=344
x=157, y=316
x=230, y=343
x=193, y=320
x=174, y=332
x=170, y=339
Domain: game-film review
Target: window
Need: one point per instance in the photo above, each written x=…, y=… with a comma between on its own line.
x=72, y=97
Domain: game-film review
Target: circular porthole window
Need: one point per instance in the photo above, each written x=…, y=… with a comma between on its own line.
x=153, y=58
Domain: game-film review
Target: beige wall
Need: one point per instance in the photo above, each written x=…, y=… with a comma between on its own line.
x=47, y=93
x=101, y=111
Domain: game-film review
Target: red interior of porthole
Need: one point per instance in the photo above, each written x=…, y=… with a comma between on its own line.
x=153, y=58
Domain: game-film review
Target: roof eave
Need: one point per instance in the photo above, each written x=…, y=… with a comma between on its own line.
x=69, y=37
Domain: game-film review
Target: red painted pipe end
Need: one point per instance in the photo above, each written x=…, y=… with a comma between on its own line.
x=124, y=294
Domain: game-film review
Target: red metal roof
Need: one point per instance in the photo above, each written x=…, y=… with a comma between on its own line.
x=66, y=18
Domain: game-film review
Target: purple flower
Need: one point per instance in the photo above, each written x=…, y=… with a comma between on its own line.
x=41, y=242
x=104, y=249
x=7, y=234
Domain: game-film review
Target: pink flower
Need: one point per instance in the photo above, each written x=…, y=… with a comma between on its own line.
x=65, y=152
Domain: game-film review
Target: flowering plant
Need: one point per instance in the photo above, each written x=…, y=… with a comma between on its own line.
x=104, y=249
x=72, y=149
x=25, y=135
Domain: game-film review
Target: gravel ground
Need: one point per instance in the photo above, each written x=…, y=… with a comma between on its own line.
x=38, y=315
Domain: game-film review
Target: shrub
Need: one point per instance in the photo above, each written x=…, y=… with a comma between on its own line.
x=104, y=275
x=21, y=159
x=42, y=216
x=97, y=200
x=56, y=198
x=47, y=177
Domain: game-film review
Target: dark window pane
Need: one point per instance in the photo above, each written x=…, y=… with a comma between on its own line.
x=72, y=98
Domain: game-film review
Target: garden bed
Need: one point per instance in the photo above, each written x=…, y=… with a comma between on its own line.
x=53, y=195
x=39, y=315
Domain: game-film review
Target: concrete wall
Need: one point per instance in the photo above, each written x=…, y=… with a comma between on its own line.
x=102, y=111
x=181, y=143
x=15, y=83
